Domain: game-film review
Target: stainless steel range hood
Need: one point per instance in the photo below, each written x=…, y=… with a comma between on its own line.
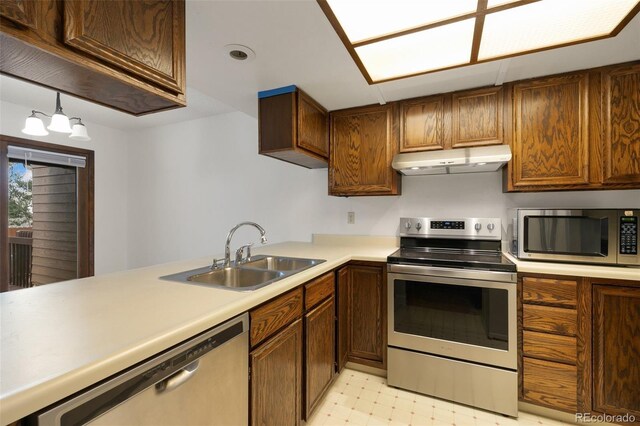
x=453, y=161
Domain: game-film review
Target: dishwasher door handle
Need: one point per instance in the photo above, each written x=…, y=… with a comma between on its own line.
x=177, y=379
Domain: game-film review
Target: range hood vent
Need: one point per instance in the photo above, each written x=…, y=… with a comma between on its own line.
x=453, y=161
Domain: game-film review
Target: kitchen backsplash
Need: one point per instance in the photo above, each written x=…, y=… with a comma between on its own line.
x=477, y=195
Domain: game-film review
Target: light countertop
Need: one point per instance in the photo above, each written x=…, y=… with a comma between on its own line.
x=61, y=338
x=576, y=270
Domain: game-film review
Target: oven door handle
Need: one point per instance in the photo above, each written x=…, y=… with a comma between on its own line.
x=475, y=274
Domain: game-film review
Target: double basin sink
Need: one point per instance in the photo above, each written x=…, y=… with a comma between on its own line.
x=259, y=271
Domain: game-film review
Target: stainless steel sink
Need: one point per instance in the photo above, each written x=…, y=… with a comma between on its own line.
x=258, y=272
x=276, y=263
x=239, y=278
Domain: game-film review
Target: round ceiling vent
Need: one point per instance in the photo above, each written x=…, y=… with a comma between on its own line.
x=240, y=52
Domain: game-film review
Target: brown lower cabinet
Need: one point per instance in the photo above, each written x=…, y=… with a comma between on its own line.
x=320, y=351
x=362, y=313
x=616, y=349
x=292, y=358
x=276, y=379
x=578, y=343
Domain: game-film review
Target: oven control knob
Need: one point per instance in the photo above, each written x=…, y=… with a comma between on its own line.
x=478, y=227
x=418, y=226
x=407, y=225
x=491, y=227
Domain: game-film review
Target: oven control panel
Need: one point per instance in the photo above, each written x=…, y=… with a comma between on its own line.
x=468, y=228
x=447, y=224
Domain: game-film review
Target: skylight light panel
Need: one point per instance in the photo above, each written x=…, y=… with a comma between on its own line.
x=494, y=3
x=549, y=23
x=440, y=47
x=363, y=20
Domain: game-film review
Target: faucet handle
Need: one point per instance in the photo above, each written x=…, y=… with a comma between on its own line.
x=240, y=252
x=216, y=263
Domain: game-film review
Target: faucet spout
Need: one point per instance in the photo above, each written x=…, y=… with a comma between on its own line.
x=227, y=246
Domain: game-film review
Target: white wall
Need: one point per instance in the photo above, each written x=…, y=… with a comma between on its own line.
x=465, y=195
x=110, y=146
x=193, y=181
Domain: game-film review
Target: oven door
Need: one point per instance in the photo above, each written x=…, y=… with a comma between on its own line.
x=455, y=313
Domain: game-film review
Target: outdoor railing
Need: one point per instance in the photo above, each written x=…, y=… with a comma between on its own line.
x=20, y=261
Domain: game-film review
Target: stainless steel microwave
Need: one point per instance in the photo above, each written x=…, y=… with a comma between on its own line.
x=599, y=236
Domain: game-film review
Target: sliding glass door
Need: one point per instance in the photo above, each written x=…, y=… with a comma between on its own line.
x=47, y=224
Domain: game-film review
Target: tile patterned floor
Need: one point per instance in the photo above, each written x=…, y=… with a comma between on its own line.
x=360, y=399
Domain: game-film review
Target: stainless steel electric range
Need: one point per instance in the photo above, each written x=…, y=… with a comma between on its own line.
x=452, y=313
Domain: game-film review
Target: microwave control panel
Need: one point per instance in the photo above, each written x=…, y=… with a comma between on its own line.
x=629, y=235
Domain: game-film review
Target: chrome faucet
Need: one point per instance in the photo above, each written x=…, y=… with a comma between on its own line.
x=227, y=250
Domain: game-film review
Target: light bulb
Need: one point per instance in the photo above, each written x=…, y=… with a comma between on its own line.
x=34, y=126
x=79, y=132
x=59, y=123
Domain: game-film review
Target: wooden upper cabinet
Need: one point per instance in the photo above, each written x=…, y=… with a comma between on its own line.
x=616, y=350
x=126, y=55
x=477, y=117
x=452, y=120
x=551, y=131
x=21, y=12
x=363, y=143
x=294, y=128
x=621, y=141
x=425, y=124
x=138, y=36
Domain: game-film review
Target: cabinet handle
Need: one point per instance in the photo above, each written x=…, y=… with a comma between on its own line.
x=170, y=383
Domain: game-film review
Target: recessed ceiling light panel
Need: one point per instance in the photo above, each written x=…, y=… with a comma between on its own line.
x=391, y=39
x=415, y=53
x=364, y=20
x=549, y=23
x=495, y=3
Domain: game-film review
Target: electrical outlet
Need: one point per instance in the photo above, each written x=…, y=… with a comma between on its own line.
x=351, y=218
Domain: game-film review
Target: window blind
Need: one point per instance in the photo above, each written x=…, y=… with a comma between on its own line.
x=36, y=155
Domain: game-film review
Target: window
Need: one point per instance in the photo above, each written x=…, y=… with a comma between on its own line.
x=46, y=220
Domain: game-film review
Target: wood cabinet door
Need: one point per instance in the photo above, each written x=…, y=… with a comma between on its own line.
x=313, y=131
x=367, y=315
x=621, y=141
x=425, y=124
x=477, y=117
x=363, y=143
x=145, y=38
x=551, y=132
x=342, y=312
x=276, y=379
x=22, y=12
x=320, y=352
x=616, y=349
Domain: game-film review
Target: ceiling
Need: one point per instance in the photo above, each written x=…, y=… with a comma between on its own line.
x=295, y=44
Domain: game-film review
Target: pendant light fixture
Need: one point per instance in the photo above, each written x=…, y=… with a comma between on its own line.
x=59, y=123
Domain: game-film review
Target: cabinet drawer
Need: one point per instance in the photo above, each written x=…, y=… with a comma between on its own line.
x=549, y=347
x=549, y=291
x=549, y=319
x=269, y=318
x=551, y=384
x=318, y=290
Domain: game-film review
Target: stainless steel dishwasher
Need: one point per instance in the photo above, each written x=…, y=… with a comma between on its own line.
x=203, y=381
